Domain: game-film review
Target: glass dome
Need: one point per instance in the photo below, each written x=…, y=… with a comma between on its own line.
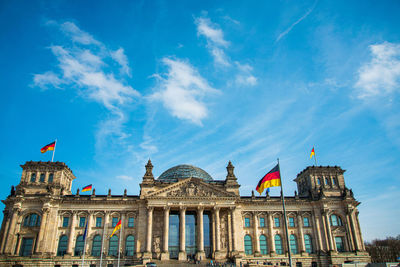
x=182, y=172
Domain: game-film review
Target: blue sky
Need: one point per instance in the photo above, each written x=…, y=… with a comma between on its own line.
x=202, y=83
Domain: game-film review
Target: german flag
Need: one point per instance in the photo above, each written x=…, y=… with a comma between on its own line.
x=312, y=153
x=272, y=178
x=116, y=228
x=48, y=147
x=87, y=188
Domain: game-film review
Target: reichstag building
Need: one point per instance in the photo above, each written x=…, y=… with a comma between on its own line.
x=183, y=214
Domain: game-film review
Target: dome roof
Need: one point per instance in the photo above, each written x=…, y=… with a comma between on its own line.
x=182, y=172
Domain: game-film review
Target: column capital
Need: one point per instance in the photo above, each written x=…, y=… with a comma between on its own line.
x=200, y=208
x=182, y=208
x=150, y=208
x=232, y=208
x=216, y=209
x=167, y=208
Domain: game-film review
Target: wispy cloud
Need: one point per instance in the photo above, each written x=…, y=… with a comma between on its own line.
x=215, y=40
x=85, y=66
x=380, y=76
x=122, y=59
x=245, y=76
x=181, y=91
x=283, y=34
x=216, y=44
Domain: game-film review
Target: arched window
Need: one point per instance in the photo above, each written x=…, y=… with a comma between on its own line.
x=308, y=243
x=33, y=177
x=336, y=220
x=42, y=178
x=263, y=245
x=62, y=245
x=278, y=245
x=32, y=220
x=293, y=244
x=248, y=246
x=79, y=245
x=130, y=245
x=113, y=246
x=96, y=246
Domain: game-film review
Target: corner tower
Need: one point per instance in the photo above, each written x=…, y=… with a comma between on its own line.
x=315, y=181
x=39, y=177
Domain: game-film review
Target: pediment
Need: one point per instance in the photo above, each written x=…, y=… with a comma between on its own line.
x=190, y=188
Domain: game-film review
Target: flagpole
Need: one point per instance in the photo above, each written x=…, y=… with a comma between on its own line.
x=315, y=157
x=284, y=217
x=102, y=241
x=54, y=151
x=120, y=238
x=84, y=244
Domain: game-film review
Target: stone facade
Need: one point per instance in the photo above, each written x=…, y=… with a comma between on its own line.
x=44, y=222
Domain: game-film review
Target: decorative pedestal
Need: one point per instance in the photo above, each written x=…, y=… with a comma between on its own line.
x=182, y=256
x=218, y=255
x=165, y=256
x=200, y=255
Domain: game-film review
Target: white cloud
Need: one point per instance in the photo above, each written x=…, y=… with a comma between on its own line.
x=86, y=66
x=244, y=76
x=122, y=59
x=211, y=31
x=77, y=35
x=381, y=75
x=182, y=91
x=215, y=40
x=283, y=34
x=46, y=79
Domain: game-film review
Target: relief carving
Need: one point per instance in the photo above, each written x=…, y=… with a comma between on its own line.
x=191, y=190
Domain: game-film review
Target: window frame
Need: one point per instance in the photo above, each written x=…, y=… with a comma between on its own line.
x=248, y=245
x=33, y=178
x=278, y=244
x=308, y=245
x=263, y=245
x=262, y=221
x=292, y=222
x=306, y=221
x=294, y=247
x=81, y=225
x=277, y=222
x=65, y=221
x=131, y=222
x=99, y=219
x=247, y=223
x=130, y=251
x=114, y=221
x=63, y=252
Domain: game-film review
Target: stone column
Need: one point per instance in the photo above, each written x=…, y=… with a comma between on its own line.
x=103, y=240
x=165, y=253
x=256, y=237
x=316, y=233
x=6, y=224
x=361, y=241
x=349, y=231
x=301, y=234
x=71, y=233
x=182, y=234
x=331, y=247
x=229, y=222
x=43, y=223
x=234, y=230
x=354, y=231
x=8, y=246
x=200, y=255
x=271, y=234
x=149, y=230
x=88, y=232
x=217, y=230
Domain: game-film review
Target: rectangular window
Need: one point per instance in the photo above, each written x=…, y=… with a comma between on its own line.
x=33, y=177
x=306, y=222
x=246, y=222
x=131, y=222
x=114, y=221
x=26, y=247
x=65, y=222
x=51, y=176
x=291, y=222
x=82, y=221
x=339, y=243
x=42, y=177
x=98, y=221
x=277, y=223
x=262, y=222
